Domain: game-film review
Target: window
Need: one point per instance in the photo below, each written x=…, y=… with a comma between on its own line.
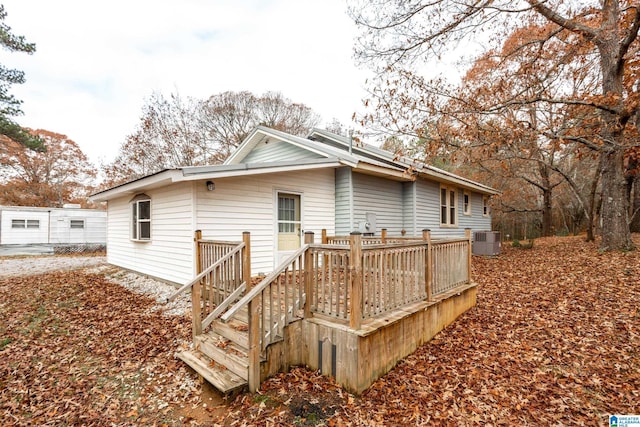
x=76, y=223
x=33, y=224
x=467, y=203
x=448, y=216
x=485, y=206
x=141, y=217
x=287, y=217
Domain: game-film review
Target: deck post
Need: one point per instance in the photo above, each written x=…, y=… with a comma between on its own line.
x=383, y=236
x=324, y=240
x=197, y=237
x=426, y=235
x=308, y=272
x=254, y=320
x=355, y=270
x=196, y=319
x=468, y=234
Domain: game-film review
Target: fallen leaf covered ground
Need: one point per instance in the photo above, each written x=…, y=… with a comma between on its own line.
x=554, y=340
x=76, y=349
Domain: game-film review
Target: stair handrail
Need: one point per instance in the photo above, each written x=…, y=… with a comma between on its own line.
x=256, y=290
x=209, y=269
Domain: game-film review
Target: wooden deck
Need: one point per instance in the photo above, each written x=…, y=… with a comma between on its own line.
x=351, y=310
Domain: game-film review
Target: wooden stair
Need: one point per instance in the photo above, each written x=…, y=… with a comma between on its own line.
x=220, y=355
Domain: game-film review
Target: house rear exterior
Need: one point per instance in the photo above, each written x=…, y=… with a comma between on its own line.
x=278, y=186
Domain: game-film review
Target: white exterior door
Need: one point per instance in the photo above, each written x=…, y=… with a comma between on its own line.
x=289, y=228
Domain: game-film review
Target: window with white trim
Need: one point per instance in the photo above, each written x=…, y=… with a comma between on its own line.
x=466, y=203
x=18, y=223
x=76, y=223
x=141, y=218
x=448, y=207
x=485, y=206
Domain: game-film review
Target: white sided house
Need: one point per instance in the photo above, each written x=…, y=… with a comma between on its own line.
x=278, y=186
x=20, y=225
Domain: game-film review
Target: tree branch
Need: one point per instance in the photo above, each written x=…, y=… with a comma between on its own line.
x=560, y=20
x=631, y=36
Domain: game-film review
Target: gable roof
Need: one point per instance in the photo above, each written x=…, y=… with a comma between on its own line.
x=326, y=149
x=421, y=168
x=263, y=134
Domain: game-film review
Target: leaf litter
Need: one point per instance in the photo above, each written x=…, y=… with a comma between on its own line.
x=553, y=340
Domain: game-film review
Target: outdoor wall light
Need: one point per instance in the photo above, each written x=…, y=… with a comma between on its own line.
x=210, y=186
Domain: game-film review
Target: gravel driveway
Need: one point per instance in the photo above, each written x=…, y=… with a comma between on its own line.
x=156, y=289
x=11, y=267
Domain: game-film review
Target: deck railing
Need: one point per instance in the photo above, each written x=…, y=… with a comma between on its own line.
x=450, y=265
x=383, y=277
x=328, y=290
x=211, y=251
x=393, y=277
x=383, y=239
x=219, y=284
x=272, y=304
x=350, y=283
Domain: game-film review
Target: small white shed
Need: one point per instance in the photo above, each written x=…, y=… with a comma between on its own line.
x=37, y=225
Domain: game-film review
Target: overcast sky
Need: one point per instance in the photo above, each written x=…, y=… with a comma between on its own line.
x=96, y=62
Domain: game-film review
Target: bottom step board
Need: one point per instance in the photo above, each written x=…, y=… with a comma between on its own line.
x=218, y=376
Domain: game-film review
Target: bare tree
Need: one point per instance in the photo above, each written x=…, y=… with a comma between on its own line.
x=399, y=37
x=176, y=132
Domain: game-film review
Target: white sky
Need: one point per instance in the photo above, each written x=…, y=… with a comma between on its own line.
x=97, y=61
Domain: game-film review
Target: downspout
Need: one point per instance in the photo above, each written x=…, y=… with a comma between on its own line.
x=49, y=227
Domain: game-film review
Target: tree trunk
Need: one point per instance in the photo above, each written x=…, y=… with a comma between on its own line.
x=615, y=204
x=615, y=200
x=547, y=193
x=593, y=213
x=634, y=227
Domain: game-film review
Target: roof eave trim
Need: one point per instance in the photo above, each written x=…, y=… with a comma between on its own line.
x=169, y=176
x=247, y=169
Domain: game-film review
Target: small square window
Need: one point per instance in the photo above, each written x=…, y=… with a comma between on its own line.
x=76, y=223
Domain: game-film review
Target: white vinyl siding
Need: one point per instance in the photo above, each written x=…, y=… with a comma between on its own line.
x=476, y=221
x=248, y=204
x=428, y=212
x=170, y=254
x=24, y=227
x=382, y=197
x=409, y=207
x=277, y=151
x=344, y=207
x=66, y=226
x=37, y=225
